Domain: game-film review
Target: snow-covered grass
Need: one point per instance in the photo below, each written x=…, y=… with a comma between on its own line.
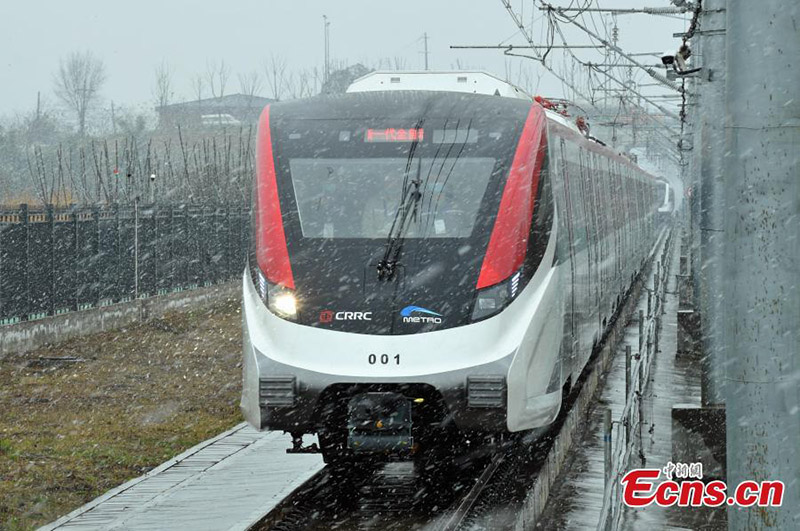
x=82, y=417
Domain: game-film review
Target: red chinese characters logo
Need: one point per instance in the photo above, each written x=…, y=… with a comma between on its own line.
x=395, y=135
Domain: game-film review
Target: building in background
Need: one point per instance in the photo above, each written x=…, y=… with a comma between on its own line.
x=232, y=110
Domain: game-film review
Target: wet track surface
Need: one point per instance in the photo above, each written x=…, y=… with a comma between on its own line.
x=482, y=489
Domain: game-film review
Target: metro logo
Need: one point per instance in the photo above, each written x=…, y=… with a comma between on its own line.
x=428, y=317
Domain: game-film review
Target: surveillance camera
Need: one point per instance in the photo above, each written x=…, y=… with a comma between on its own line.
x=667, y=60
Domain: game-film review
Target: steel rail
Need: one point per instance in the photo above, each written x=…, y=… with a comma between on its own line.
x=460, y=514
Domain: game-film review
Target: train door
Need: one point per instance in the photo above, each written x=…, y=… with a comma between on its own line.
x=623, y=227
x=640, y=239
x=596, y=183
x=568, y=215
x=590, y=206
x=626, y=216
x=613, y=213
x=605, y=233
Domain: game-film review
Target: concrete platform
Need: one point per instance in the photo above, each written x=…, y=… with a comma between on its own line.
x=227, y=482
x=577, y=496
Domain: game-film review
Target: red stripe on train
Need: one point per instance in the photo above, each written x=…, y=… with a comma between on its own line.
x=509, y=241
x=272, y=254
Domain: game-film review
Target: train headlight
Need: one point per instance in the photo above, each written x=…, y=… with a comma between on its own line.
x=280, y=300
x=494, y=299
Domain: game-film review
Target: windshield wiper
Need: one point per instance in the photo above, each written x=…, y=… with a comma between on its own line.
x=405, y=213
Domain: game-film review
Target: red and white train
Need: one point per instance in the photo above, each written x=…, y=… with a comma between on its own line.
x=432, y=252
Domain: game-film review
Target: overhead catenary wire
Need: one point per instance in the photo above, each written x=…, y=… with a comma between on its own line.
x=549, y=36
x=627, y=86
x=537, y=56
x=651, y=72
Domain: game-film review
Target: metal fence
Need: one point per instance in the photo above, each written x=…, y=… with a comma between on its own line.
x=622, y=438
x=53, y=261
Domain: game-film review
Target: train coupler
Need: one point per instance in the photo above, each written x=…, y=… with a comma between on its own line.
x=298, y=448
x=379, y=423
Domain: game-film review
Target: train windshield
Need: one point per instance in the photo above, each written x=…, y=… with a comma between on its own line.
x=346, y=180
x=363, y=198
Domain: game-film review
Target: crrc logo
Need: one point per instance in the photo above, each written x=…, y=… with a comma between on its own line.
x=327, y=316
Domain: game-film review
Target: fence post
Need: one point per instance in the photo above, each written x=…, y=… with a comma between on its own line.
x=117, y=269
x=136, y=248
x=26, y=223
x=172, y=247
x=51, y=306
x=155, y=244
x=641, y=329
x=75, y=258
x=628, y=370
x=607, y=454
x=188, y=248
x=641, y=408
x=96, y=267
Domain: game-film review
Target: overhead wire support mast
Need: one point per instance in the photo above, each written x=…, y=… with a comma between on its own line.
x=652, y=73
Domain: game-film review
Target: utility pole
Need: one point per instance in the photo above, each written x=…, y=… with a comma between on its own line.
x=425, y=40
x=761, y=255
x=113, y=119
x=326, y=33
x=710, y=145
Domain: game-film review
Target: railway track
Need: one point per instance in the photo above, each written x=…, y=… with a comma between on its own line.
x=479, y=491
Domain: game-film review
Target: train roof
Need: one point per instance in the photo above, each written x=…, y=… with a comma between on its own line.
x=469, y=81
x=406, y=105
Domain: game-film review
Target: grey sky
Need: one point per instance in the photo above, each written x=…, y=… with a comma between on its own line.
x=132, y=37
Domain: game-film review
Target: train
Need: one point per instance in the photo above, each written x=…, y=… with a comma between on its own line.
x=432, y=253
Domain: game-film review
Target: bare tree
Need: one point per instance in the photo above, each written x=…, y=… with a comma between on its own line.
x=162, y=89
x=250, y=84
x=275, y=72
x=217, y=77
x=399, y=62
x=78, y=83
x=305, y=84
x=198, y=85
